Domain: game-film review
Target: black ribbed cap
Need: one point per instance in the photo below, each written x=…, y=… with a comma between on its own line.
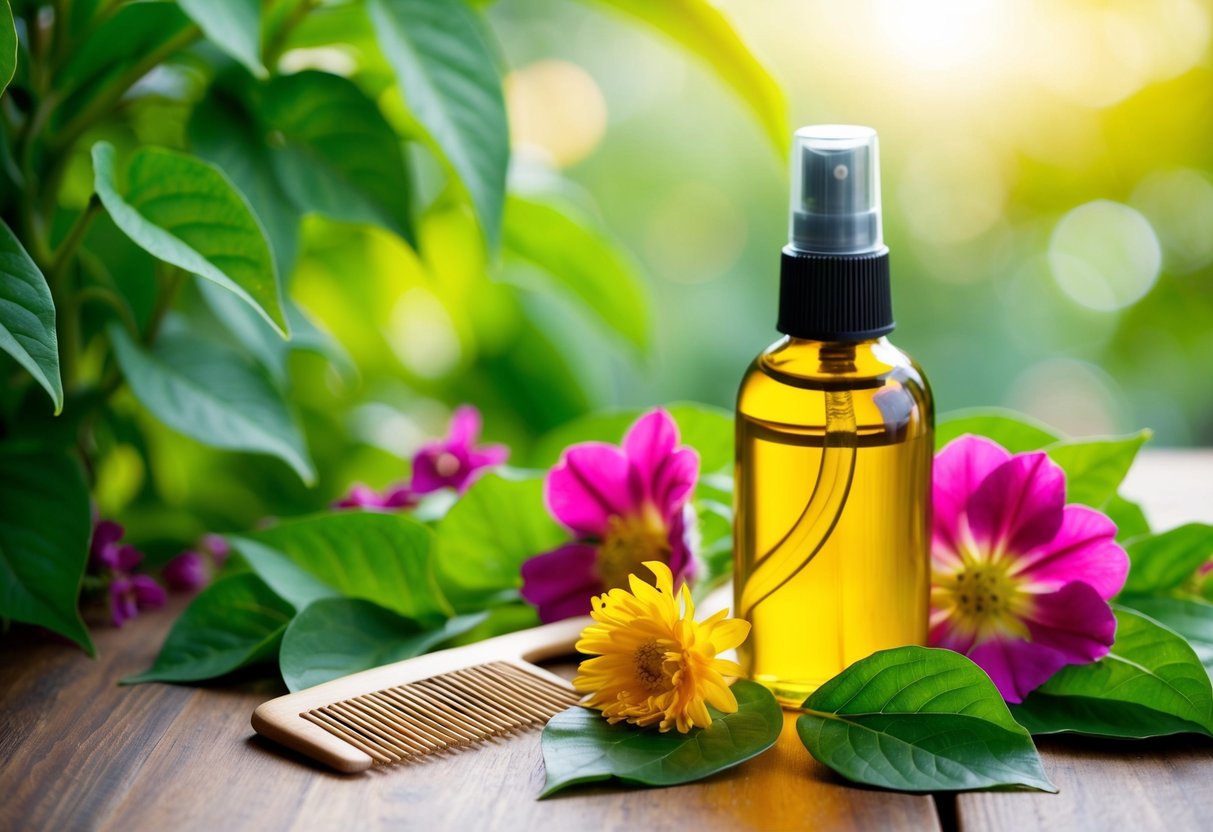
x=831, y=297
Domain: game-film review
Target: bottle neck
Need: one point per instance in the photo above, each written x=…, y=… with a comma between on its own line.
x=835, y=298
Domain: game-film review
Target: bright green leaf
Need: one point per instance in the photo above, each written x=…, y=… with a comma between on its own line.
x=338, y=155
x=232, y=25
x=184, y=211
x=1130, y=520
x=1162, y=562
x=919, y=720
x=234, y=622
x=45, y=526
x=583, y=262
x=700, y=28
x=579, y=746
x=1192, y=618
x=8, y=45
x=335, y=637
x=485, y=537
x=1151, y=684
x=212, y=394
x=289, y=581
x=1014, y=431
x=384, y=558
x=447, y=72
x=27, y=316
x=1096, y=467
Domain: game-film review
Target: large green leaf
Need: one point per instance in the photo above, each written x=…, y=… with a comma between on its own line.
x=212, y=394
x=27, y=316
x=1130, y=520
x=1014, y=431
x=184, y=211
x=232, y=25
x=1162, y=562
x=919, y=720
x=1192, y=618
x=447, y=72
x=701, y=29
x=384, y=558
x=579, y=746
x=45, y=525
x=485, y=537
x=8, y=45
x=1096, y=467
x=236, y=621
x=582, y=261
x=1150, y=684
x=338, y=155
x=289, y=581
x=334, y=637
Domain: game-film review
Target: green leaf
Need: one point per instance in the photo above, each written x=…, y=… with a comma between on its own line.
x=184, y=211
x=8, y=45
x=583, y=262
x=1095, y=468
x=579, y=746
x=234, y=622
x=485, y=537
x=1151, y=684
x=27, y=316
x=702, y=30
x=45, y=526
x=709, y=430
x=210, y=393
x=232, y=25
x=919, y=720
x=337, y=155
x=1191, y=618
x=384, y=558
x=1162, y=562
x=447, y=72
x=334, y=637
x=1014, y=431
x=289, y=581
x=1130, y=520
x=125, y=37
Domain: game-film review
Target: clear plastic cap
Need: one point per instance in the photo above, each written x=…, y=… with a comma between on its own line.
x=835, y=190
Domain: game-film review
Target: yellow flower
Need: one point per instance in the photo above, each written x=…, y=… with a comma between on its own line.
x=653, y=663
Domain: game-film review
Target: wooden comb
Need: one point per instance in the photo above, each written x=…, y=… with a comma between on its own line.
x=427, y=704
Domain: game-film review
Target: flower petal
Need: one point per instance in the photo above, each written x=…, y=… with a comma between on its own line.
x=1075, y=621
x=465, y=426
x=148, y=594
x=561, y=582
x=1019, y=505
x=588, y=486
x=1016, y=667
x=959, y=469
x=673, y=481
x=1084, y=549
x=682, y=562
x=649, y=440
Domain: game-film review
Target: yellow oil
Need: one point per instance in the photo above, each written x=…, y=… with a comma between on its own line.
x=832, y=509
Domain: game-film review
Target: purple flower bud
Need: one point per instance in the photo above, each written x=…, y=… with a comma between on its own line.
x=218, y=546
x=186, y=572
x=131, y=593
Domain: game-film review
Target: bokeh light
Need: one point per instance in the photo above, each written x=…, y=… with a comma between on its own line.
x=1104, y=255
x=555, y=107
x=1179, y=204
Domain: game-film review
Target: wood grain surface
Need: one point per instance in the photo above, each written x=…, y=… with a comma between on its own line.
x=79, y=752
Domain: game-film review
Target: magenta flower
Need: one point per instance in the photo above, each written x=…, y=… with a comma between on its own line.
x=131, y=593
x=186, y=572
x=106, y=551
x=217, y=546
x=1020, y=581
x=365, y=497
x=626, y=505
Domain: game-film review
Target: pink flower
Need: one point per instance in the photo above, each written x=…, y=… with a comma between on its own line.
x=365, y=497
x=1020, y=581
x=626, y=505
x=106, y=551
x=217, y=546
x=131, y=593
x=186, y=572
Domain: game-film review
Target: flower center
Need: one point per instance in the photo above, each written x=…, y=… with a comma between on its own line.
x=987, y=598
x=628, y=543
x=446, y=464
x=650, y=666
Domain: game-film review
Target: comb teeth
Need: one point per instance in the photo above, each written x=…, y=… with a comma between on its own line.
x=443, y=712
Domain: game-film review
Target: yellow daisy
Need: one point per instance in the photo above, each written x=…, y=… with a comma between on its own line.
x=653, y=663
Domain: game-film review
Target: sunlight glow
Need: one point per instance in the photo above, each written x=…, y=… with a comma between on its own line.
x=1104, y=255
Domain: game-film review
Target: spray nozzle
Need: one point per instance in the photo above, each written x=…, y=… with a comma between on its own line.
x=836, y=190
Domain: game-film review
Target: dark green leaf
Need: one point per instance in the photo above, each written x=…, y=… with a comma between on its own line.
x=485, y=537
x=384, y=558
x=1096, y=467
x=334, y=637
x=1014, y=431
x=1151, y=684
x=289, y=581
x=447, y=73
x=1192, y=618
x=338, y=155
x=1162, y=562
x=211, y=394
x=1130, y=520
x=123, y=39
x=45, y=526
x=919, y=720
x=184, y=211
x=27, y=314
x=583, y=262
x=236, y=621
x=579, y=746
x=8, y=45
x=232, y=25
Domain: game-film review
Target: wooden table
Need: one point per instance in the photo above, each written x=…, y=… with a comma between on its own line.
x=79, y=752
